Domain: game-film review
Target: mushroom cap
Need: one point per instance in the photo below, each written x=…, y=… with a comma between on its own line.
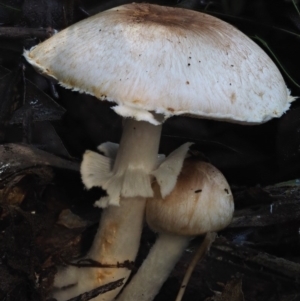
x=153, y=59
x=201, y=202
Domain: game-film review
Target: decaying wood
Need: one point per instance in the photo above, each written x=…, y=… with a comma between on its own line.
x=25, y=33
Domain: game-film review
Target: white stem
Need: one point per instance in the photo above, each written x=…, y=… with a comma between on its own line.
x=155, y=269
x=138, y=147
x=136, y=159
x=118, y=236
x=116, y=241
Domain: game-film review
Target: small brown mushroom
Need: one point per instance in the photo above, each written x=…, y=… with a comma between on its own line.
x=201, y=202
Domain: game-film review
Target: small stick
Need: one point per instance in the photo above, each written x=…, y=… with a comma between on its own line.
x=200, y=253
x=23, y=32
x=90, y=263
x=99, y=290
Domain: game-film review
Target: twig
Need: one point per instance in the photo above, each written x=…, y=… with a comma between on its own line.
x=271, y=267
x=23, y=33
x=200, y=253
x=97, y=291
x=90, y=263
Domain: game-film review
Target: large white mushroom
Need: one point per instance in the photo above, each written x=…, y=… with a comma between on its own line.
x=153, y=62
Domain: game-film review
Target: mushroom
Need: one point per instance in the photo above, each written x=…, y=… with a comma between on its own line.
x=200, y=203
x=153, y=62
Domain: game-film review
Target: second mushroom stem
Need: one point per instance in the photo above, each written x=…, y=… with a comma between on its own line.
x=163, y=256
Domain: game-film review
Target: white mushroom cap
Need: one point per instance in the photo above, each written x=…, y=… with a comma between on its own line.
x=201, y=202
x=148, y=58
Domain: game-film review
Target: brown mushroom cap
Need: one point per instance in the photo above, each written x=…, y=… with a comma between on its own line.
x=201, y=202
x=148, y=58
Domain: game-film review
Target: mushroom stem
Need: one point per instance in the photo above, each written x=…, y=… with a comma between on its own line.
x=156, y=269
x=130, y=175
x=136, y=159
x=138, y=147
x=128, y=183
x=116, y=242
x=113, y=244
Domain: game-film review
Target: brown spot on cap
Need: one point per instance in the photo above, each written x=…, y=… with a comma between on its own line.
x=169, y=17
x=71, y=82
x=137, y=101
x=233, y=97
